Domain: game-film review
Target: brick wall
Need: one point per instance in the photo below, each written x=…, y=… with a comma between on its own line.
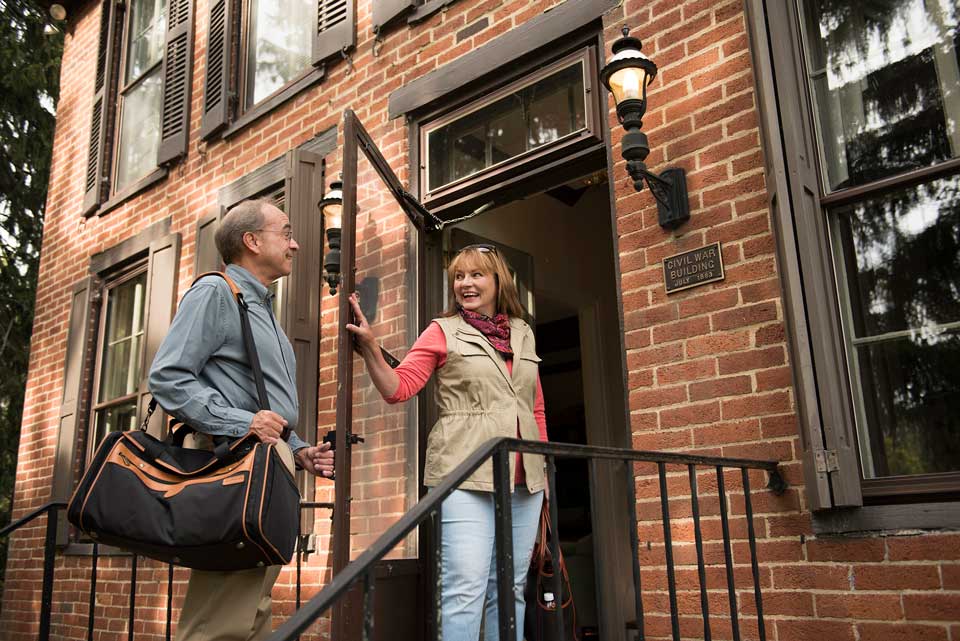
x=708, y=368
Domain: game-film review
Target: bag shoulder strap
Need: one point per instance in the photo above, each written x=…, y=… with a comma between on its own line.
x=250, y=346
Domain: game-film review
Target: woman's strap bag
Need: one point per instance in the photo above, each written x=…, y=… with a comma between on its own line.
x=233, y=508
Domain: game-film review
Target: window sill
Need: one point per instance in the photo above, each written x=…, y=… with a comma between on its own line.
x=871, y=518
x=129, y=192
x=427, y=9
x=269, y=104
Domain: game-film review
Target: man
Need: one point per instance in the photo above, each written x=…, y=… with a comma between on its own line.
x=201, y=376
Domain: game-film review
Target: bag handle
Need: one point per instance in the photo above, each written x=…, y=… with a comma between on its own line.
x=252, y=356
x=542, y=556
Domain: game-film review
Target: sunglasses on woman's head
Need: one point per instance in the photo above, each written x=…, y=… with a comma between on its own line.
x=483, y=248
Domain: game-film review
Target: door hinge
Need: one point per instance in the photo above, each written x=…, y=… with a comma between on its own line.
x=826, y=461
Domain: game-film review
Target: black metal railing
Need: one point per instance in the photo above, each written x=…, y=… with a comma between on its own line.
x=52, y=511
x=362, y=569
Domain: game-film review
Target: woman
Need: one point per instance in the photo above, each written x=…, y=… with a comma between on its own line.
x=487, y=386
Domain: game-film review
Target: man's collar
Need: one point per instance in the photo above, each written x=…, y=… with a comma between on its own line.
x=252, y=288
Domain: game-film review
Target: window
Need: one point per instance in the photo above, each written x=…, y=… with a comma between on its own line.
x=119, y=314
x=274, y=51
x=883, y=83
x=859, y=105
x=510, y=131
x=140, y=116
x=120, y=357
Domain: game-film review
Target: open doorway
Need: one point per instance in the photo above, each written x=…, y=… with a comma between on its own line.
x=559, y=243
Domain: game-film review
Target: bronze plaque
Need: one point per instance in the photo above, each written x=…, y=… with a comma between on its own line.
x=691, y=268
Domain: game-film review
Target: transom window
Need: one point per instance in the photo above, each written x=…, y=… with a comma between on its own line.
x=141, y=91
x=120, y=357
x=527, y=119
x=886, y=85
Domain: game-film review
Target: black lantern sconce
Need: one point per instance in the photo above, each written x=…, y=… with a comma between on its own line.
x=331, y=207
x=626, y=76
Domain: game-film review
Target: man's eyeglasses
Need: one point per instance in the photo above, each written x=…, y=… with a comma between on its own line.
x=483, y=248
x=286, y=233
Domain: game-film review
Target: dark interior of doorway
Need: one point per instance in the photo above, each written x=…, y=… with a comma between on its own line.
x=561, y=252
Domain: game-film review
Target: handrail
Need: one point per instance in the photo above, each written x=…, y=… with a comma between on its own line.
x=361, y=566
x=37, y=512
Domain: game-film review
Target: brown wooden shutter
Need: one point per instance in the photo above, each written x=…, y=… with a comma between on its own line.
x=386, y=10
x=301, y=314
x=805, y=265
x=207, y=258
x=218, y=80
x=177, y=67
x=336, y=28
x=97, y=177
x=161, y=302
x=76, y=390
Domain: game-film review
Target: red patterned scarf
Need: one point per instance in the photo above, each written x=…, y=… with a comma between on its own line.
x=496, y=329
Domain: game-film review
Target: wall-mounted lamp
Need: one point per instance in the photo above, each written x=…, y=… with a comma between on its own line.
x=58, y=12
x=626, y=76
x=331, y=207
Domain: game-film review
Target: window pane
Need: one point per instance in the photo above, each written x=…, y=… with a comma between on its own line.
x=114, y=419
x=901, y=264
x=121, y=353
x=521, y=121
x=279, y=45
x=139, y=130
x=147, y=32
x=886, y=79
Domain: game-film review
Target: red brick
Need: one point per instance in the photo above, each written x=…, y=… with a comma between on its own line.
x=899, y=576
x=845, y=550
x=864, y=606
x=687, y=371
x=745, y=315
x=756, y=405
x=731, y=386
x=815, y=630
x=926, y=547
x=660, y=396
x=681, y=329
x=722, y=433
x=770, y=334
x=751, y=360
x=932, y=606
x=709, y=302
x=717, y=343
x=901, y=632
x=950, y=573
x=691, y=414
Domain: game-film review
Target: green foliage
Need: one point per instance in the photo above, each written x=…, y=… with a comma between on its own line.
x=29, y=88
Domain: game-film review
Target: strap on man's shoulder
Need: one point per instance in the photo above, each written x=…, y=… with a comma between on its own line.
x=233, y=286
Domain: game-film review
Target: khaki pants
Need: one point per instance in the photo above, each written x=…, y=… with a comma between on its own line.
x=230, y=606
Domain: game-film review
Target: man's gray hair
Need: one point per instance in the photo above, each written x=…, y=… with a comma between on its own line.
x=246, y=216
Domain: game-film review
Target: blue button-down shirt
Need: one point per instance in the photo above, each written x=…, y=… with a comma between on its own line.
x=201, y=373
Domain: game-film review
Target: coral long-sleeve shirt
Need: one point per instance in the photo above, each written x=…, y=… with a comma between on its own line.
x=428, y=354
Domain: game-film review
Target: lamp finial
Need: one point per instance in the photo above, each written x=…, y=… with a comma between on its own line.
x=625, y=30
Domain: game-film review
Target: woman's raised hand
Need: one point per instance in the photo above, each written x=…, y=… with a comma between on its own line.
x=360, y=328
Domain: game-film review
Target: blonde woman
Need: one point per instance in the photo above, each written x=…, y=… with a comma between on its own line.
x=488, y=385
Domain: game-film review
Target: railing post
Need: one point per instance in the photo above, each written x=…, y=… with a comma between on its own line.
x=698, y=536
x=635, y=547
x=752, y=540
x=49, y=556
x=503, y=531
x=668, y=551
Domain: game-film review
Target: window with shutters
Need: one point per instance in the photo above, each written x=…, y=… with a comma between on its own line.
x=119, y=314
x=868, y=100
x=140, y=115
x=261, y=53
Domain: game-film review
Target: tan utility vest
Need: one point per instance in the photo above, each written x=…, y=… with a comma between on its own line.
x=480, y=400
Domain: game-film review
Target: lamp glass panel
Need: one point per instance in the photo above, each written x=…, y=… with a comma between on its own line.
x=279, y=45
x=886, y=82
x=527, y=118
x=627, y=83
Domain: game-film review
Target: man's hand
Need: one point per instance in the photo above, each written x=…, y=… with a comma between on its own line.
x=318, y=460
x=267, y=426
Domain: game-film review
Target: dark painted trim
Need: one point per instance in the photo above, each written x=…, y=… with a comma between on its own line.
x=131, y=247
x=887, y=517
x=136, y=188
x=556, y=23
x=427, y=9
x=877, y=187
x=260, y=110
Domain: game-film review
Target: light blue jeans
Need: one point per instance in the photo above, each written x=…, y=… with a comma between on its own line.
x=469, y=561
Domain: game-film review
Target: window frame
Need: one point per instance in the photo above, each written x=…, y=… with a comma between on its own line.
x=799, y=208
x=122, y=89
x=452, y=197
x=108, y=282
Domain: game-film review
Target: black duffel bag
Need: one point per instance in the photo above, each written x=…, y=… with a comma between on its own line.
x=233, y=508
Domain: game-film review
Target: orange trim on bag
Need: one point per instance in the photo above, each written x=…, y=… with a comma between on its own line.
x=162, y=482
x=233, y=480
x=246, y=500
